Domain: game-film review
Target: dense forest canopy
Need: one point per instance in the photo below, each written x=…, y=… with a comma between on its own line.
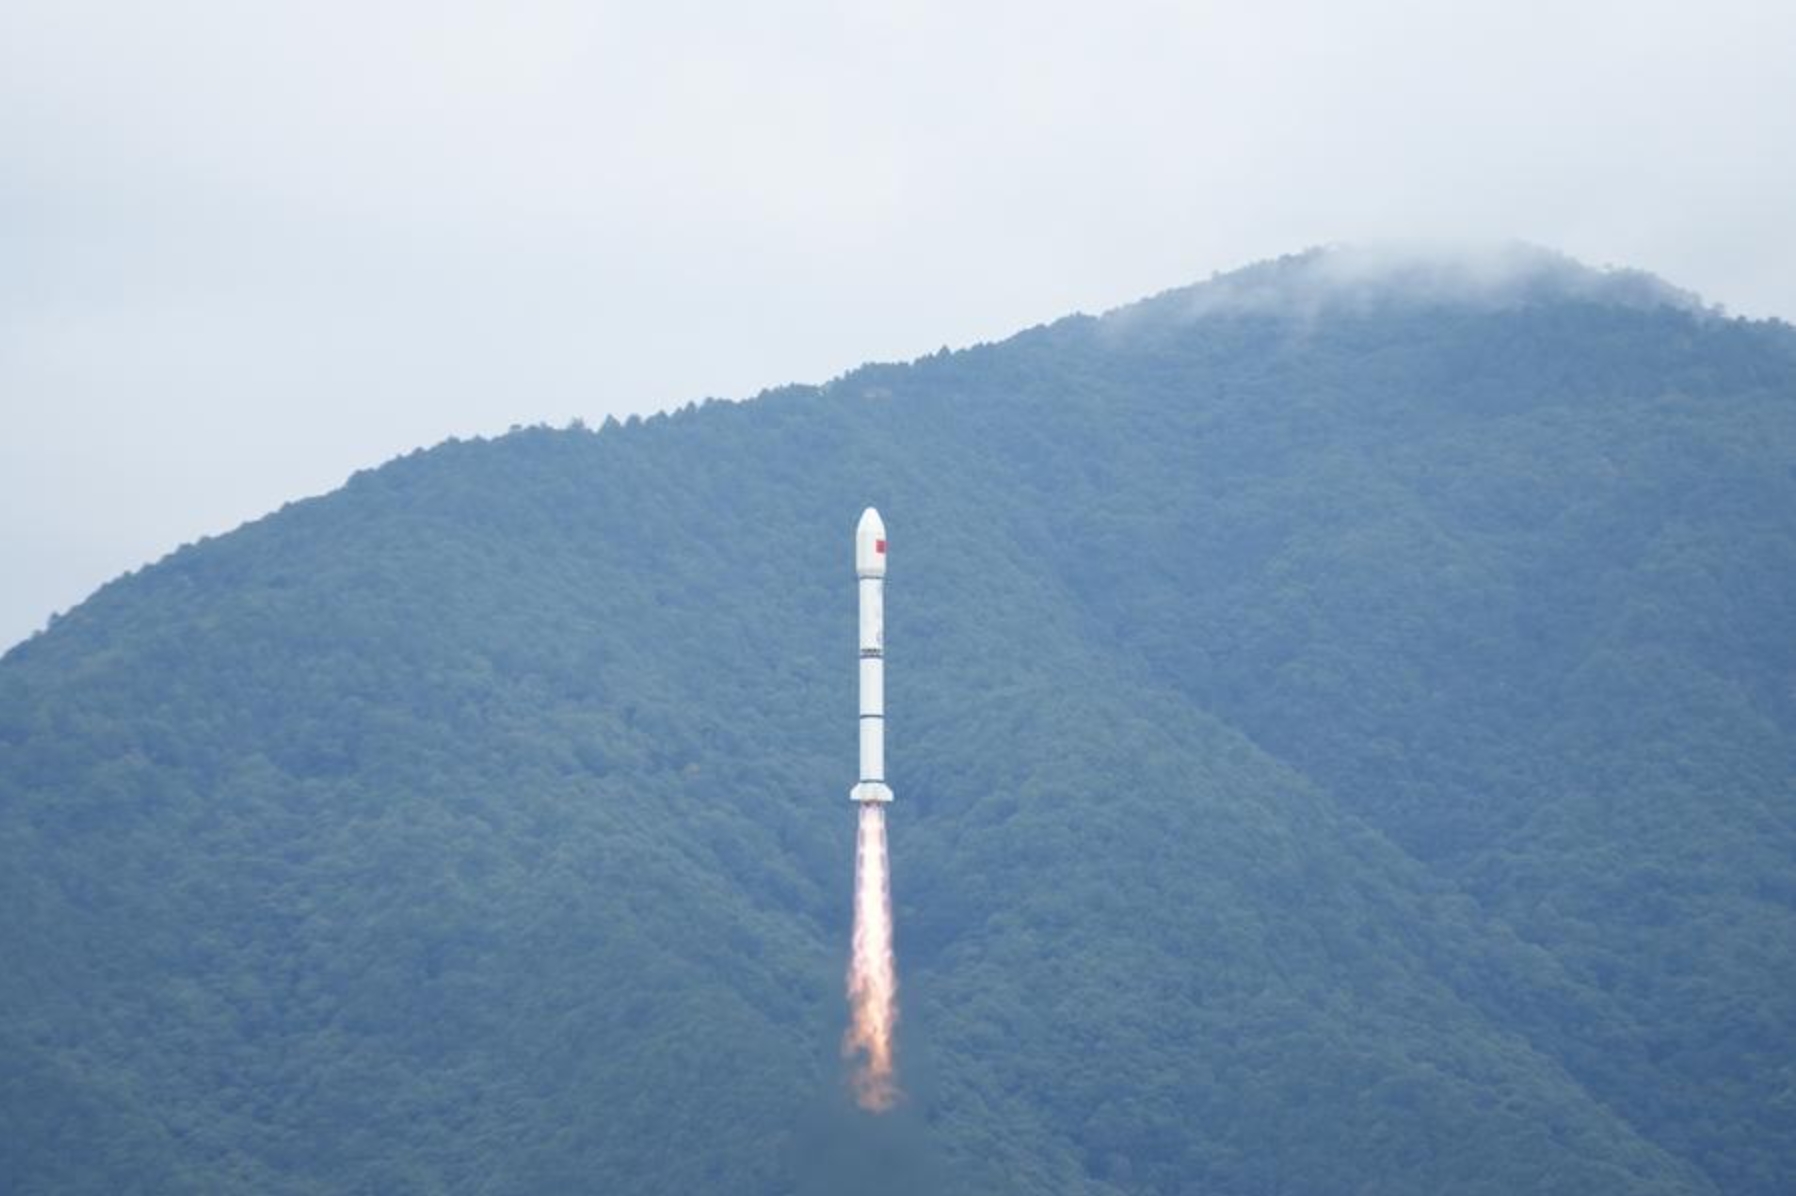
x=1342, y=716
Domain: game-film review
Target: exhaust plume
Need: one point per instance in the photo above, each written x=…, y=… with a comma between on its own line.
x=872, y=971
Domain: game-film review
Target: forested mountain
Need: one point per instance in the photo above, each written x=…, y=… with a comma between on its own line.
x=1343, y=723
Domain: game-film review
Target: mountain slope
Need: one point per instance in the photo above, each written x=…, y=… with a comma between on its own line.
x=1342, y=736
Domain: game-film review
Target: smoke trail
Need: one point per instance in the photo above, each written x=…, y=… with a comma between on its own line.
x=872, y=971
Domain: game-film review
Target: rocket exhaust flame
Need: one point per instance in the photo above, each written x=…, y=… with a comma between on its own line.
x=872, y=970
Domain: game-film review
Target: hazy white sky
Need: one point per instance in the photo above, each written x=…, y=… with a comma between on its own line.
x=247, y=248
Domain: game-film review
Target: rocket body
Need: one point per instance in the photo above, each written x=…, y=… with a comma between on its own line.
x=870, y=575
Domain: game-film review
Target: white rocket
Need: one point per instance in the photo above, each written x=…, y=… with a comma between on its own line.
x=870, y=568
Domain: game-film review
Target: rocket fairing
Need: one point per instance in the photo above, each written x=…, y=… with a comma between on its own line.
x=870, y=570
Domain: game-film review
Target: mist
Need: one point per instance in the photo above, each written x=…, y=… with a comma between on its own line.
x=1360, y=277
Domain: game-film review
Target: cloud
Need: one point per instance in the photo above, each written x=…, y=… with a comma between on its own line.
x=250, y=248
x=1378, y=275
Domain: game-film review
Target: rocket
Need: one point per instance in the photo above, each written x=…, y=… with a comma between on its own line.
x=870, y=572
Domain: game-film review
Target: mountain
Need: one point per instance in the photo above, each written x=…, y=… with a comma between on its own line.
x=1343, y=723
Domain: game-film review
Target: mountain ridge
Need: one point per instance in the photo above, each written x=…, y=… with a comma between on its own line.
x=1265, y=708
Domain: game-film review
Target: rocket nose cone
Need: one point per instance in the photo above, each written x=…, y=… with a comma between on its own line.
x=870, y=545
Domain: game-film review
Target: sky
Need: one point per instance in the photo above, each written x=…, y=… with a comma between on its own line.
x=247, y=248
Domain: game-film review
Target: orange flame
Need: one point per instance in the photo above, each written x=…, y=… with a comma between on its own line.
x=872, y=971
